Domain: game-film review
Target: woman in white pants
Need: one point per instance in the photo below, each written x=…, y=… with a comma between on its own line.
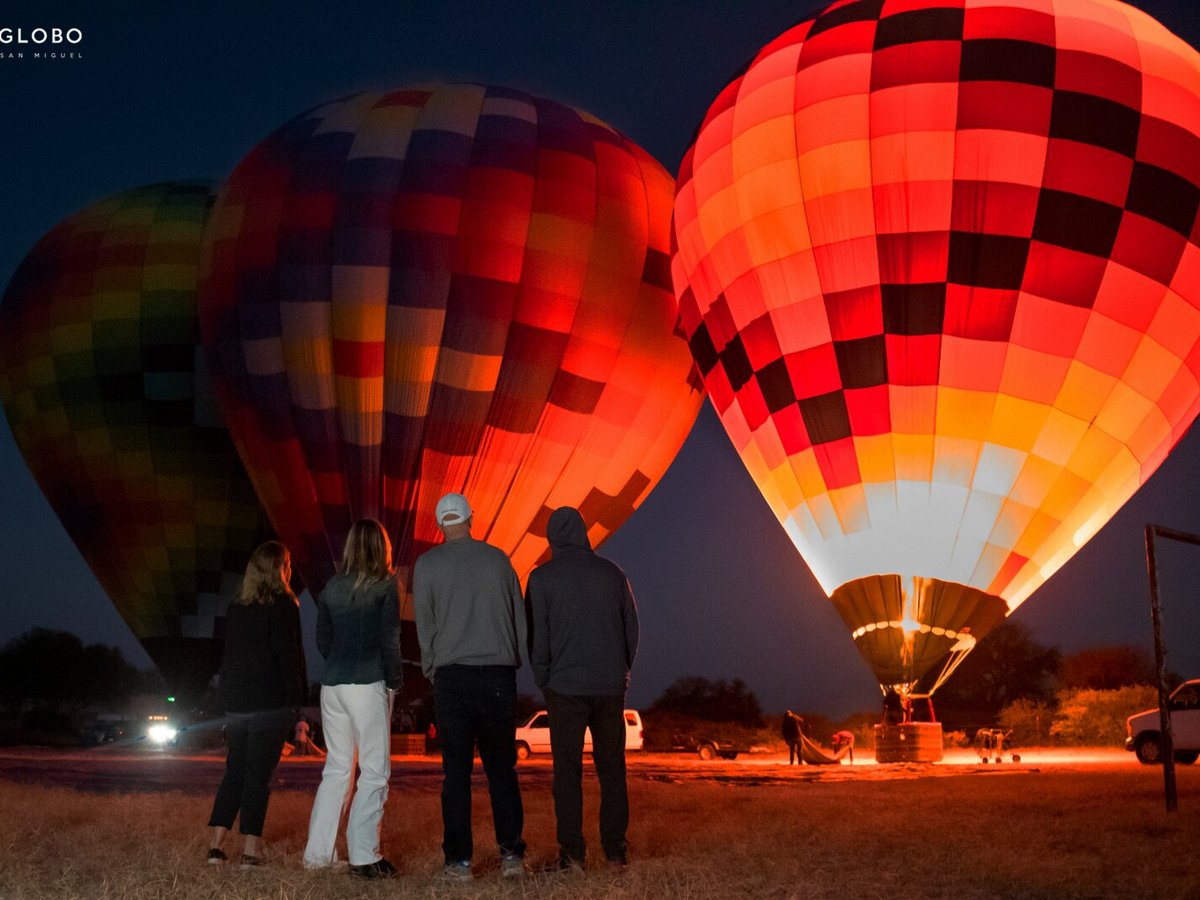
x=358, y=634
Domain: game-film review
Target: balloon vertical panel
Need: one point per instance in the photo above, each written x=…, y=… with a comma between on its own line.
x=447, y=287
x=938, y=265
x=98, y=373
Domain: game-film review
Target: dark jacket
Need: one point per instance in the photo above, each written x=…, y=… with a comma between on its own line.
x=585, y=625
x=358, y=632
x=263, y=665
x=790, y=728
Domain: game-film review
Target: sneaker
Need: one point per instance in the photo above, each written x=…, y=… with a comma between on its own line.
x=252, y=862
x=216, y=856
x=512, y=866
x=458, y=871
x=381, y=868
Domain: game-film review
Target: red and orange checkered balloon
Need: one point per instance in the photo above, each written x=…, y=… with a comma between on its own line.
x=446, y=288
x=937, y=261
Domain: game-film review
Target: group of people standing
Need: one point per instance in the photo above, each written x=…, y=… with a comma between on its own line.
x=577, y=625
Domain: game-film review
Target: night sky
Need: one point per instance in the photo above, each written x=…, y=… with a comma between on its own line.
x=166, y=92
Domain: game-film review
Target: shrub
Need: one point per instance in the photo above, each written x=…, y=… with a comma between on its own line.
x=1030, y=722
x=1087, y=717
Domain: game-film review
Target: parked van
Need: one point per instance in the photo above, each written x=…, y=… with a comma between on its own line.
x=534, y=735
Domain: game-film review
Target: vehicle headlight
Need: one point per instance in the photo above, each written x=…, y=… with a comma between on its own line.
x=161, y=734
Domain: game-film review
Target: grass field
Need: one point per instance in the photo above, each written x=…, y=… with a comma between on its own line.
x=1024, y=831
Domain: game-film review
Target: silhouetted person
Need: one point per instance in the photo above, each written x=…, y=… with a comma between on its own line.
x=584, y=639
x=302, y=738
x=844, y=739
x=262, y=684
x=791, y=730
x=893, y=707
x=358, y=633
x=471, y=624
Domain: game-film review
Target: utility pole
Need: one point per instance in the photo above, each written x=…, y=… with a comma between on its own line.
x=1167, y=741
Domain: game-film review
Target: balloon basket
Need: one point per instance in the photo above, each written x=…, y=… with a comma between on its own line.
x=908, y=742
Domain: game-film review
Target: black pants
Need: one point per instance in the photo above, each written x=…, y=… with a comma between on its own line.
x=255, y=741
x=478, y=704
x=794, y=752
x=605, y=716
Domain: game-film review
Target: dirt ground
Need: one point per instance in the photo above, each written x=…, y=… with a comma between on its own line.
x=130, y=825
x=144, y=769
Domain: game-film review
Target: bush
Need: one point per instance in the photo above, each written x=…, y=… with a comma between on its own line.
x=1030, y=722
x=1097, y=718
x=41, y=726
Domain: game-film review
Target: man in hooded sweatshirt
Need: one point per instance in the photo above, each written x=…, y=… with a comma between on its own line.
x=584, y=637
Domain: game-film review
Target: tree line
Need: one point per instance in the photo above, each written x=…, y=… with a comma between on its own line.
x=49, y=679
x=1010, y=679
x=1013, y=681
x=55, y=668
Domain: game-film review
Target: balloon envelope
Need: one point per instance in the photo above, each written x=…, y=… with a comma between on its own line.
x=446, y=288
x=101, y=385
x=938, y=264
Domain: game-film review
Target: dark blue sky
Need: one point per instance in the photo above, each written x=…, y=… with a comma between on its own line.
x=183, y=90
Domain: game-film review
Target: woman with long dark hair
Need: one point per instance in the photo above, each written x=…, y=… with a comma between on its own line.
x=263, y=681
x=358, y=634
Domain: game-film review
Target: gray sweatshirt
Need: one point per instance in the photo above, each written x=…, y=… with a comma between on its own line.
x=468, y=606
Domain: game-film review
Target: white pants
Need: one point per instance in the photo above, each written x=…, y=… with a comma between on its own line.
x=356, y=718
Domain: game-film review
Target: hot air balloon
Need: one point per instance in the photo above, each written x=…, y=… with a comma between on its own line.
x=938, y=265
x=104, y=388
x=446, y=288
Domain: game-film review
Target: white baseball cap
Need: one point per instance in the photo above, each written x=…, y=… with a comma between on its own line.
x=452, y=509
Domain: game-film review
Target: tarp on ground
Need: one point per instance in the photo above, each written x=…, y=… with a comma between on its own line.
x=815, y=755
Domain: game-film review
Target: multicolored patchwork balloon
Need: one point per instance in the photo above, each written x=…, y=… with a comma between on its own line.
x=101, y=384
x=937, y=261
x=446, y=288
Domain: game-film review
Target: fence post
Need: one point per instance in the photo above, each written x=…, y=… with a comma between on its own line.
x=1166, y=739
x=1164, y=716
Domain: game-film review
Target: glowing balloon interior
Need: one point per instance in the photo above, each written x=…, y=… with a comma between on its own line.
x=443, y=288
x=938, y=264
x=99, y=378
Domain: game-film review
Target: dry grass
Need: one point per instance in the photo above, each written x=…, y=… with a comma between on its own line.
x=1049, y=833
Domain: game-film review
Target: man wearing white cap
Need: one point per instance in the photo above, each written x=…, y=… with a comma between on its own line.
x=471, y=625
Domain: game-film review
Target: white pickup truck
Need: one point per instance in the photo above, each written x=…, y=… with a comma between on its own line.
x=1142, y=729
x=534, y=735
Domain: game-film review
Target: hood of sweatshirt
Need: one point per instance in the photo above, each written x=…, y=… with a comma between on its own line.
x=566, y=530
